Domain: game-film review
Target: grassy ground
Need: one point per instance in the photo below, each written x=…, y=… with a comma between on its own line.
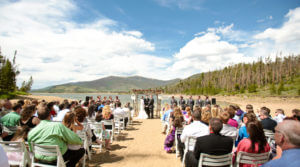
x=11, y=95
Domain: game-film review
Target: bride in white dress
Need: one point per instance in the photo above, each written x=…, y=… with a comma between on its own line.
x=142, y=112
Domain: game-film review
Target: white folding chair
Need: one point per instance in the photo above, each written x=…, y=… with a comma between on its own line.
x=83, y=135
x=119, y=123
x=11, y=147
x=215, y=160
x=252, y=158
x=97, y=127
x=51, y=150
x=269, y=135
x=111, y=131
x=189, y=146
x=177, y=132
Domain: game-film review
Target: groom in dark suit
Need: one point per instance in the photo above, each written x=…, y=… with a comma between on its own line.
x=146, y=104
x=151, y=106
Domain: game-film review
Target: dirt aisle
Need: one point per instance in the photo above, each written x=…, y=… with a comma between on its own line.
x=139, y=146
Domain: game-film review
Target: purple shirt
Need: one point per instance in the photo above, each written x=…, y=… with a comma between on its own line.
x=233, y=123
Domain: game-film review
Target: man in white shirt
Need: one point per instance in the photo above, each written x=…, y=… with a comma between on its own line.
x=119, y=112
x=195, y=129
x=60, y=116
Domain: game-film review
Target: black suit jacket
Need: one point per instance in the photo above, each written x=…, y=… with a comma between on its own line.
x=146, y=102
x=151, y=104
x=268, y=124
x=213, y=144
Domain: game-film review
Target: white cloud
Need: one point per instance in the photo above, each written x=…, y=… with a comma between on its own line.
x=54, y=49
x=284, y=39
x=206, y=53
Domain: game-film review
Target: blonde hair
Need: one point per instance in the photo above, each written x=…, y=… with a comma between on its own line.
x=215, y=112
x=206, y=116
x=106, y=112
x=177, y=112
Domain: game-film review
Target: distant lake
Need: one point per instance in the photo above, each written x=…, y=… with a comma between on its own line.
x=123, y=97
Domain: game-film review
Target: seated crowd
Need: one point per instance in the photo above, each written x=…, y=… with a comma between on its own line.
x=219, y=131
x=57, y=123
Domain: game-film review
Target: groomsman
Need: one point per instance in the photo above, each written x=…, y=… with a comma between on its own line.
x=207, y=101
x=191, y=102
x=181, y=102
x=173, y=101
x=199, y=102
x=151, y=107
x=146, y=105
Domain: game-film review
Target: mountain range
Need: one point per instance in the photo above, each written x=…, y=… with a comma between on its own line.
x=107, y=84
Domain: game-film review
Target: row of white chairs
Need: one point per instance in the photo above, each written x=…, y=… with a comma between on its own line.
x=225, y=160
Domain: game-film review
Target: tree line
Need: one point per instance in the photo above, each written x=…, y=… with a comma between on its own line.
x=8, y=76
x=243, y=77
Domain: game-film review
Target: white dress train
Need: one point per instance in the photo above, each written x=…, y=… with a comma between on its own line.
x=142, y=112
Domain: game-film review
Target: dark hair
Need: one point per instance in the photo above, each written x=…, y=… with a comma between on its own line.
x=80, y=114
x=216, y=125
x=43, y=113
x=21, y=102
x=197, y=115
x=296, y=111
x=17, y=106
x=256, y=135
x=27, y=112
x=118, y=104
x=91, y=110
x=231, y=111
x=251, y=117
x=177, y=122
x=61, y=106
x=50, y=105
x=266, y=109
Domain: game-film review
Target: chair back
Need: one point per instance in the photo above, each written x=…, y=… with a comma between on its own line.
x=178, y=132
x=97, y=127
x=190, y=143
x=269, y=135
x=252, y=158
x=16, y=147
x=47, y=150
x=215, y=160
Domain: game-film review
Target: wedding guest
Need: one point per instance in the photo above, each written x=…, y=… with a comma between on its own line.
x=296, y=114
x=227, y=130
x=195, y=129
x=206, y=116
x=28, y=118
x=60, y=116
x=170, y=139
x=279, y=115
x=266, y=121
x=231, y=121
x=54, y=133
x=243, y=133
x=10, y=122
x=71, y=122
x=213, y=144
x=188, y=116
x=105, y=115
x=6, y=108
x=287, y=137
x=256, y=143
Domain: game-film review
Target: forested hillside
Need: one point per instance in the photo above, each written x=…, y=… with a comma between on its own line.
x=262, y=77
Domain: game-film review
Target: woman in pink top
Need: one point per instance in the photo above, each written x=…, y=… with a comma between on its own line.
x=231, y=121
x=256, y=143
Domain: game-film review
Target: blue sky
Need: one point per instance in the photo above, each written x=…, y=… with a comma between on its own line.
x=61, y=41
